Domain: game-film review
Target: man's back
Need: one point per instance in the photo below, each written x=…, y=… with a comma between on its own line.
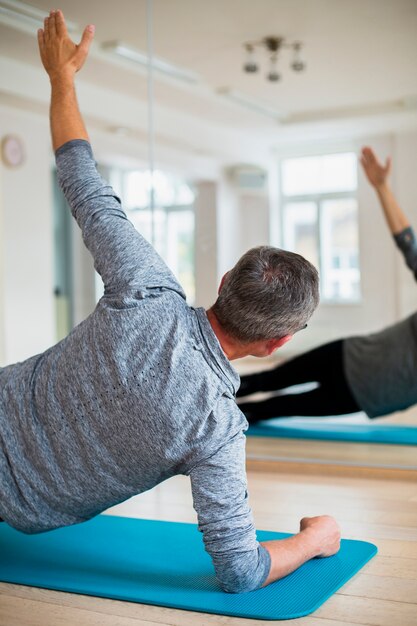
x=138, y=392
x=124, y=402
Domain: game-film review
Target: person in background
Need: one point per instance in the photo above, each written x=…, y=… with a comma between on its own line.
x=374, y=373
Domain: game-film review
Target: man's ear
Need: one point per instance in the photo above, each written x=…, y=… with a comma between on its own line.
x=222, y=282
x=274, y=344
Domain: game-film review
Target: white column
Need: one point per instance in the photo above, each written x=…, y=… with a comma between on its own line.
x=405, y=188
x=206, y=243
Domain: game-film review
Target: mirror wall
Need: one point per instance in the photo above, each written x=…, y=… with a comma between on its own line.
x=258, y=113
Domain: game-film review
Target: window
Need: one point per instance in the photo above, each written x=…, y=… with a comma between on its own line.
x=173, y=219
x=320, y=220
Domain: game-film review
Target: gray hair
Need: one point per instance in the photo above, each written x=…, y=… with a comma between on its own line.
x=268, y=294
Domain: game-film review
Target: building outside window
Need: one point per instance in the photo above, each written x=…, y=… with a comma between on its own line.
x=320, y=219
x=173, y=218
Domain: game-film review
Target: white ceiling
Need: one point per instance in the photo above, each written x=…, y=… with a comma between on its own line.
x=361, y=55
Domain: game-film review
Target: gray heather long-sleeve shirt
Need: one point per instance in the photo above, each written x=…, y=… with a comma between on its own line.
x=381, y=368
x=138, y=392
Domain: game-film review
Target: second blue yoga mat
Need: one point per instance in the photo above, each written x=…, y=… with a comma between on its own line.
x=164, y=563
x=291, y=428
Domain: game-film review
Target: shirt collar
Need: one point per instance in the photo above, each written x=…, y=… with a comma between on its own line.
x=214, y=347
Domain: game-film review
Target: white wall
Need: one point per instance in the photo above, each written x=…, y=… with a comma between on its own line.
x=26, y=294
x=254, y=212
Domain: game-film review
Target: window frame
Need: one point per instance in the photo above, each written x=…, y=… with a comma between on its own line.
x=118, y=176
x=318, y=199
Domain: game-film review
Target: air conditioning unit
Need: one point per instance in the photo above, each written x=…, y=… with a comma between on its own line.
x=249, y=178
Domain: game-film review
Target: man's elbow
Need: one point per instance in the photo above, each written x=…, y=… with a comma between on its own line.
x=241, y=572
x=234, y=580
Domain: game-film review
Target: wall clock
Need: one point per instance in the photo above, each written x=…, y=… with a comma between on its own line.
x=12, y=151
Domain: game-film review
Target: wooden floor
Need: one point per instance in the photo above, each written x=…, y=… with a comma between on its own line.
x=381, y=509
x=370, y=489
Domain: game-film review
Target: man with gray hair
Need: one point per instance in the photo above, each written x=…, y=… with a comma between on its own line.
x=269, y=293
x=143, y=389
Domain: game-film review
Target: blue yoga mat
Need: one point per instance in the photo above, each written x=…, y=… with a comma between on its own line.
x=164, y=563
x=372, y=433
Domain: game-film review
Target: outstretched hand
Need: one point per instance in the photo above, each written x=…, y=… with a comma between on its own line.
x=60, y=55
x=376, y=173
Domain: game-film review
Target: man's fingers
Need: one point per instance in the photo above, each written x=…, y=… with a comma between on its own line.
x=87, y=38
x=368, y=155
x=52, y=28
x=60, y=25
x=363, y=157
x=46, y=29
x=41, y=42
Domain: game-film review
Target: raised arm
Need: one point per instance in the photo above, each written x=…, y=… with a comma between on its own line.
x=62, y=58
x=123, y=258
x=398, y=223
x=377, y=175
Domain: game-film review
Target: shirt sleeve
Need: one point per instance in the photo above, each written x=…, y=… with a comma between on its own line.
x=122, y=257
x=406, y=241
x=220, y=498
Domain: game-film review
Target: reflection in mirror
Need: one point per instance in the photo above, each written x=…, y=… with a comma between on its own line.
x=185, y=95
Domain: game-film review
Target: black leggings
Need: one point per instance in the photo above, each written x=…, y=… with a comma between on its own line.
x=323, y=365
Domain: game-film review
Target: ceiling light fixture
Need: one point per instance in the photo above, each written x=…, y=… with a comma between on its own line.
x=273, y=47
x=159, y=65
x=26, y=15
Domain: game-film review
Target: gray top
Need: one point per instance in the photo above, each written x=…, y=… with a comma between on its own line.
x=140, y=391
x=381, y=368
